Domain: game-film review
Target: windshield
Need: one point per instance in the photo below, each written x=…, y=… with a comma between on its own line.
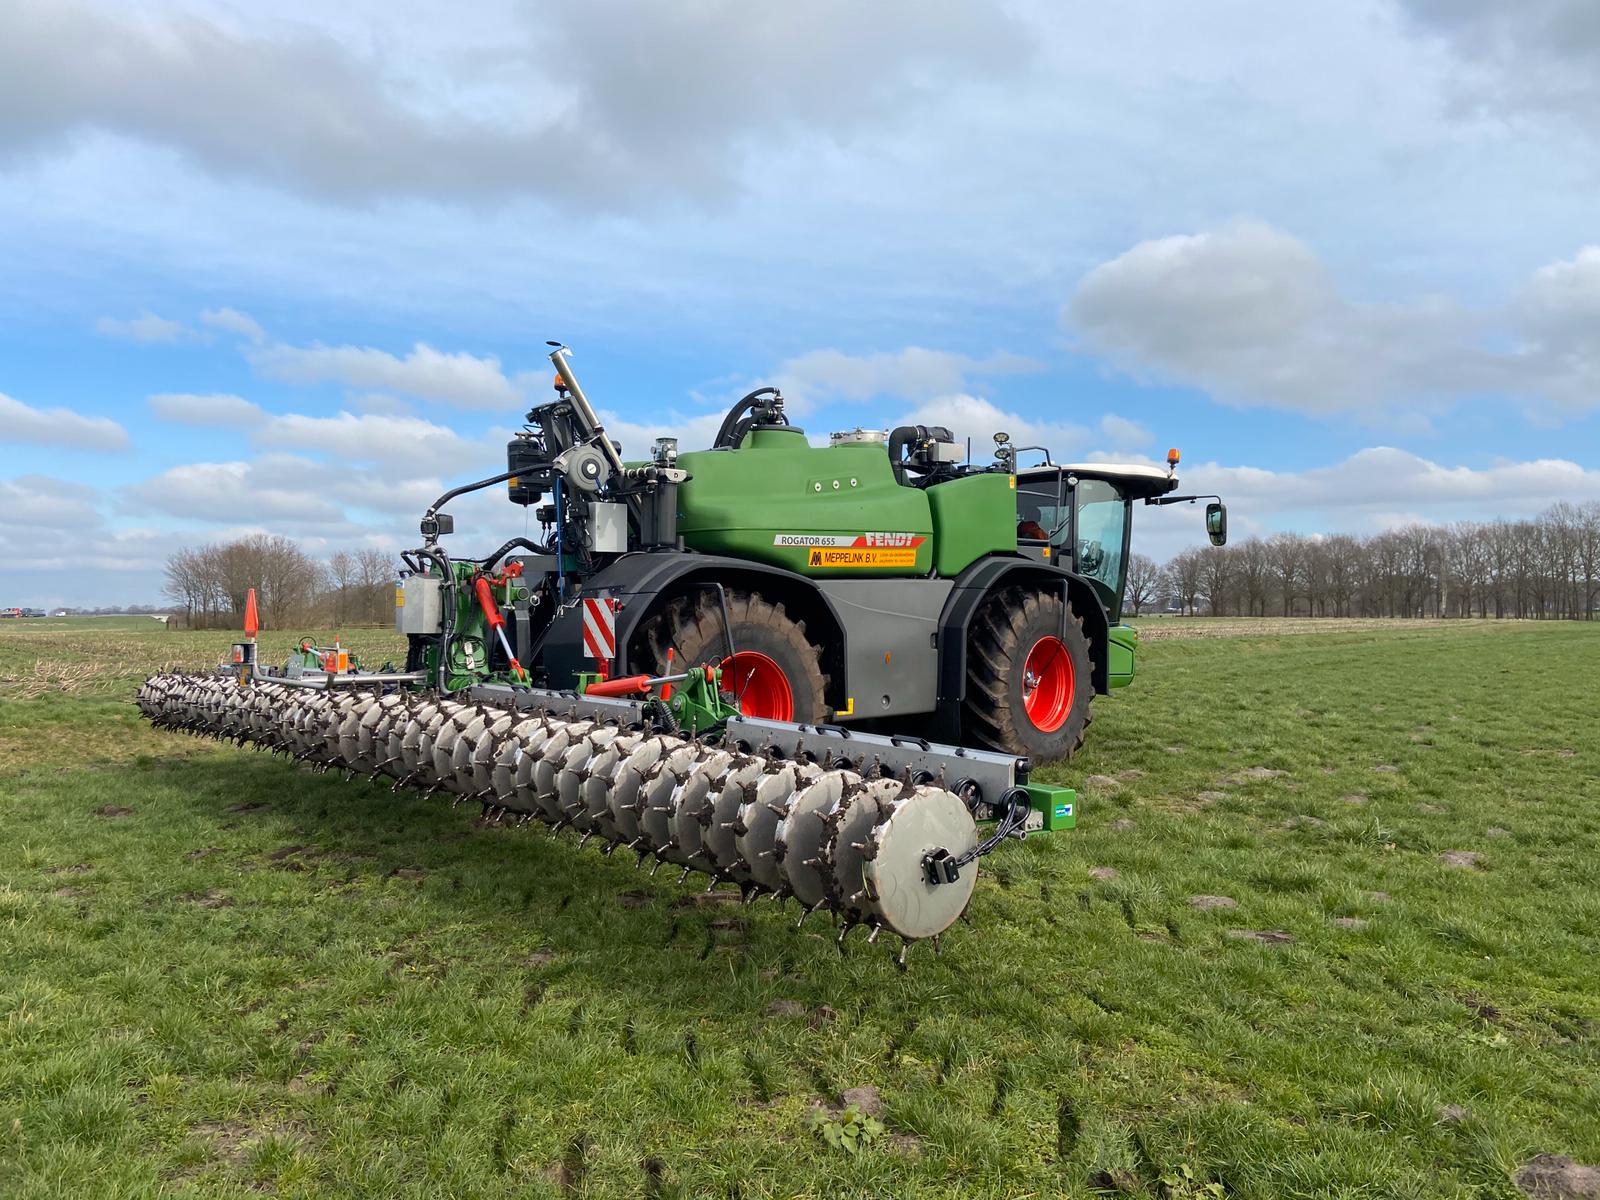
x=1102, y=521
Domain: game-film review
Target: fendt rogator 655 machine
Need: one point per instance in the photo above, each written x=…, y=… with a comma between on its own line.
x=807, y=671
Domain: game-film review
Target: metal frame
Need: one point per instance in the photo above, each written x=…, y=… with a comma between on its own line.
x=978, y=776
x=324, y=680
x=981, y=776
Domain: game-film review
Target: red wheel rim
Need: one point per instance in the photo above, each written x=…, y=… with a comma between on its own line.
x=759, y=683
x=1048, y=684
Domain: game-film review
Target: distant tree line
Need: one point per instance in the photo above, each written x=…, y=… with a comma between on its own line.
x=1544, y=568
x=209, y=584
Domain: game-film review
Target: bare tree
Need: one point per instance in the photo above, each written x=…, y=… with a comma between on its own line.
x=375, y=576
x=213, y=581
x=1216, y=578
x=1251, y=568
x=1286, y=554
x=342, y=577
x=1144, y=583
x=1184, y=574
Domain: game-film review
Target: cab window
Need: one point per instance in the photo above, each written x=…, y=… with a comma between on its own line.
x=1039, y=517
x=1102, y=523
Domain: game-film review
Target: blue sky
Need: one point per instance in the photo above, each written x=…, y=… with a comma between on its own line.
x=295, y=272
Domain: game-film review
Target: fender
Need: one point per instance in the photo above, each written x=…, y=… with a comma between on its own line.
x=640, y=581
x=973, y=587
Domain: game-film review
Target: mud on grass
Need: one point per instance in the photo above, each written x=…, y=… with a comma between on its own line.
x=264, y=980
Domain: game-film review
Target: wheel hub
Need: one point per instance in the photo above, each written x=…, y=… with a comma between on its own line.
x=1049, y=684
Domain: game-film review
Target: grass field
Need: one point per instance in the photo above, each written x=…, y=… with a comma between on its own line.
x=1328, y=927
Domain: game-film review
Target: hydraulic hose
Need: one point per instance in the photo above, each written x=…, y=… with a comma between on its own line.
x=492, y=560
x=726, y=432
x=470, y=487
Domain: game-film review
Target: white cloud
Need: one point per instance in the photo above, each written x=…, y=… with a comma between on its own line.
x=379, y=439
x=24, y=425
x=694, y=432
x=593, y=105
x=1536, y=56
x=461, y=379
x=1251, y=315
x=380, y=402
x=217, y=408
x=147, y=328
x=1123, y=433
x=1382, y=478
x=236, y=491
x=967, y=416
x=40, y=502
x=914, y=373
x=231, y=320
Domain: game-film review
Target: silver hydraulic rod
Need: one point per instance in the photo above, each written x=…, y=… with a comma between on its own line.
x=558, y=356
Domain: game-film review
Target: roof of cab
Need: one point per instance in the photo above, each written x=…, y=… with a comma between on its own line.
x=1136, y=479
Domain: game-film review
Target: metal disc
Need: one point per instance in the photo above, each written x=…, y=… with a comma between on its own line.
x=799, y=837
x=624, y=798
x=594, y=792
x=575, y=769
x=738, y=786
x=691, y=809
x=551, y=755
x=899, y=895
x=759, y=817
x=659, y=792
x=527, y=743
x=473, y=760
x=850, y=827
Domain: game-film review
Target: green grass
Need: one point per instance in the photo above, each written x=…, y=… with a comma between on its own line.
x=265, y=979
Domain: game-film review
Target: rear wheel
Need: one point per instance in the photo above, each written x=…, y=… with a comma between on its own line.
x=774, y=671
x=1029, y=676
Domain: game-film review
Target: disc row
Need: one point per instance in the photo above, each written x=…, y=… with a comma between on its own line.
x=833, y=839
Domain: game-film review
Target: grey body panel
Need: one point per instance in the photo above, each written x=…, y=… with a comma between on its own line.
x=891, y=659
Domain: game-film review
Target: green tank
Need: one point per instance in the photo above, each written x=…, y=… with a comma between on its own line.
x=834, y=511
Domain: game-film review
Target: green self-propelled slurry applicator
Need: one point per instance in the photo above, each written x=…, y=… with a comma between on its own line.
x=809, y=672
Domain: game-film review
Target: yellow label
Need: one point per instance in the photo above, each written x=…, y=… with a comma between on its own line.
x=1013, y=483
x=399, y=597
x=862, y=556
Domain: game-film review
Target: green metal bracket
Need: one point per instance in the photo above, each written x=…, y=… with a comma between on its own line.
x=697, y=702
x=1057, y=806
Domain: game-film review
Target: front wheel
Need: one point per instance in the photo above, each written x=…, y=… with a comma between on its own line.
x=1029, y=676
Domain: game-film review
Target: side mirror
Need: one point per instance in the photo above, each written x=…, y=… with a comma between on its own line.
x=1217, y=523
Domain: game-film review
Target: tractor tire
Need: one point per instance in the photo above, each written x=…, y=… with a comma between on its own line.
x=1029, y=676
x=775, y=670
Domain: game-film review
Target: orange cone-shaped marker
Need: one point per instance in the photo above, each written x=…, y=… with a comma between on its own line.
x=252, y=622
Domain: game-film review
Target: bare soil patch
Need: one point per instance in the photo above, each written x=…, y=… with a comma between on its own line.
x=1272, y=937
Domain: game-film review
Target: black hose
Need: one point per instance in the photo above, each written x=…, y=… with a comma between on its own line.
x=523, y=542
x=473, y=487
x=902, y=437
x=726, y=432
x=447, y=613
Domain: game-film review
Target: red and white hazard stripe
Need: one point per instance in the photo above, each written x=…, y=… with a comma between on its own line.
x=600, y=628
